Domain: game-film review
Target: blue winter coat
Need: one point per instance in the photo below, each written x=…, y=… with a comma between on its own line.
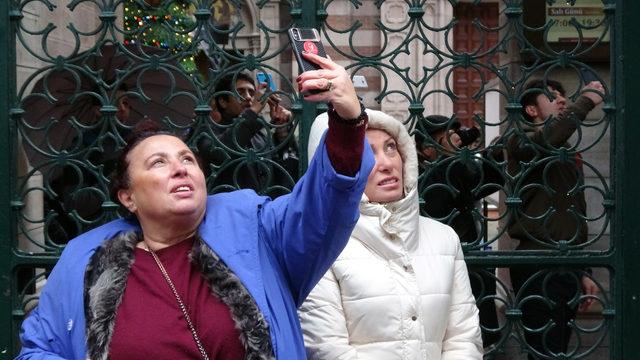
x=279, y=249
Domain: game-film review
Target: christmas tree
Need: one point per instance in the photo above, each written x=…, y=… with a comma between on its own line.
x=161, y=25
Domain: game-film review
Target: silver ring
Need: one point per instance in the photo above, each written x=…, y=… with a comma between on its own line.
x=329, y=85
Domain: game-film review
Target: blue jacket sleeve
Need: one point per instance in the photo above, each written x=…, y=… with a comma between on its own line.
x=53, y=330
x=39, y=339
x=308, y=228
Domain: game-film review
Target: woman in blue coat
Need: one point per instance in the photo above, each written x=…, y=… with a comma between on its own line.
x=196, y=277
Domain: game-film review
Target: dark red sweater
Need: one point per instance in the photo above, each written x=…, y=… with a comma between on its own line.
x=149, y=323
x=345, y=144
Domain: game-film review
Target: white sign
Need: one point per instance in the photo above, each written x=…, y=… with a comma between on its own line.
x=565, y=18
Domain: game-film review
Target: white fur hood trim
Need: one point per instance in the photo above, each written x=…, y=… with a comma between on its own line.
x=378, y=120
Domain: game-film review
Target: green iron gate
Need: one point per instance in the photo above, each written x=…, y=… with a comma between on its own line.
x=70, y=65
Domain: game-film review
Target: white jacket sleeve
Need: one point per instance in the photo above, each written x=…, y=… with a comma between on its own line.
x=462, y=339
x=323, y=322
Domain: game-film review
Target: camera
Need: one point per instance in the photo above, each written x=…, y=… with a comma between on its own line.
x=468, y=135
x=302, y=34
x=588, y=75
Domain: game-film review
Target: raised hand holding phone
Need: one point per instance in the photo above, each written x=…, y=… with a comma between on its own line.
x=266, y=78
x=306, y=40
x=334, y=86
x=321, y=79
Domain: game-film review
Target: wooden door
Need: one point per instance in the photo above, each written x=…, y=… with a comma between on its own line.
x=469, y=38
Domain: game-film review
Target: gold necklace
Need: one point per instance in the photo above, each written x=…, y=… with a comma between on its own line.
x=183, y=308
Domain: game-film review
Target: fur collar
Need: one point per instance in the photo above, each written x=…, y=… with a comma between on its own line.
x=106, y=278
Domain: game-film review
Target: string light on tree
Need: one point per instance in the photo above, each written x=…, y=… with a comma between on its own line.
x=167, y=23
x=150, y=28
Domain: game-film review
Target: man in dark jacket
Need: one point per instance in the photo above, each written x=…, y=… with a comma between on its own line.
x=274, y=167
x=79, y=191
x=552, y=208
x=451, y=188
x=467, y=180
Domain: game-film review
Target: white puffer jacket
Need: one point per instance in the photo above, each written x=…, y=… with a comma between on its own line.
x=400, y=288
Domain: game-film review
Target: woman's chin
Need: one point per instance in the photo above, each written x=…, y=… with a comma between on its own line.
x=186, y=212
x=387, y=197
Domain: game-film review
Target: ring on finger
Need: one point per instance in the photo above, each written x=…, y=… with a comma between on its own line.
x=329, y=85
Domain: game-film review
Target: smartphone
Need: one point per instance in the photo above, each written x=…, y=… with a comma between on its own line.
x=588, y=75
x=306, y=39
x=359, y=82
x=263, y=77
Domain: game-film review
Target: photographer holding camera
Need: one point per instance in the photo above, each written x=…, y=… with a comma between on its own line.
x=450, y=188
x=456, y=136
x=461, y=176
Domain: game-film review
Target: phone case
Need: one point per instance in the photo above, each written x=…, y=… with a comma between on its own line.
x=266, y=78
x=306, y=45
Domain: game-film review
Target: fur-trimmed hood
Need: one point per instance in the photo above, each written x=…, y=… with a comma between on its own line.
x=395, y=128
x=398, y=219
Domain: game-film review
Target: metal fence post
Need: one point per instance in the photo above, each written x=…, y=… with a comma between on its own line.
x=627, y=169
x=7, y=74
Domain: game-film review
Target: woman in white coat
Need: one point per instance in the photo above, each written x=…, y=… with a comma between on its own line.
x=400, y=288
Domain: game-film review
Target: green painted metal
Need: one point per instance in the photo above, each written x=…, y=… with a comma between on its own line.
x=84, y=157
x=627, y=170
x=7, y=234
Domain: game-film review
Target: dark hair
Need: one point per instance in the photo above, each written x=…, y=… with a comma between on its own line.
x=119, y=178
x=433, y=125
x=437, y=123
x=535, y=88
x=227, y=83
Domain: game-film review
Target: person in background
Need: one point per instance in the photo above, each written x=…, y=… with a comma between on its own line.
x=76, y=202
x=186, y=276
x=452, y=189
x=241, y=128
x=469, y=181
x=550, y=210
x=400, y=289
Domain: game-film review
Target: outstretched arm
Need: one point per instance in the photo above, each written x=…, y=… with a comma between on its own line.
x=308, y=228
x=557, y=131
